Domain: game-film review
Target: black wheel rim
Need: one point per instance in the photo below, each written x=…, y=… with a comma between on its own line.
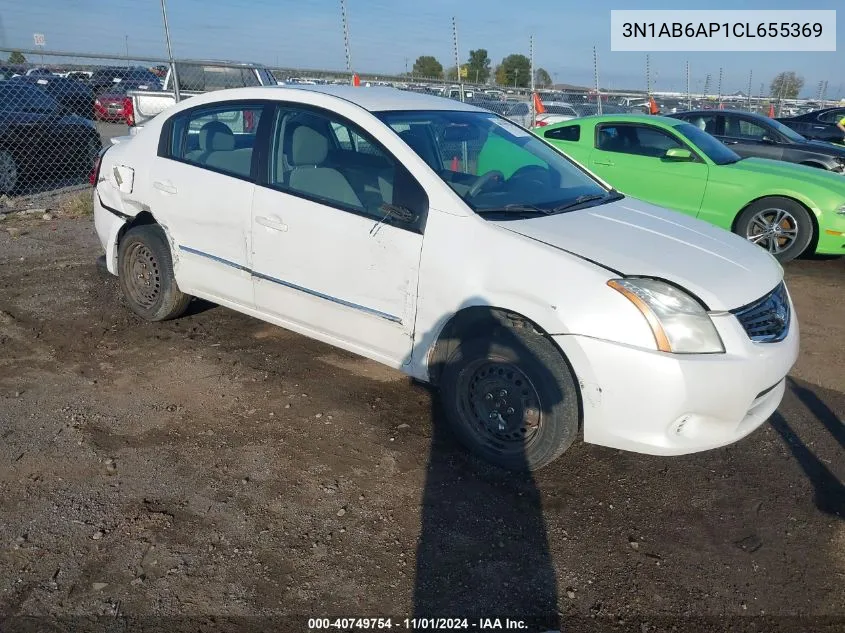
x=500, y=404
x=143, y=278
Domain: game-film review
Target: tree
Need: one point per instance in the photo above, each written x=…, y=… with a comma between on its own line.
x=17, y=58
x=427, y=66
x=787, y=85
x=452, y=73
x=542, y=77
x=478, y=66
x=515, y=70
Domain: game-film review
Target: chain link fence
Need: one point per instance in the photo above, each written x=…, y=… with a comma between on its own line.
x=56, y=114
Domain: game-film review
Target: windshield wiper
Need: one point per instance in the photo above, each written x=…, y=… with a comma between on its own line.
x=513, y=208
x=610, y=196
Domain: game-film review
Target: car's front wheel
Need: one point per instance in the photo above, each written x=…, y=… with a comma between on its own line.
x=780, y=225
x=145, y=272
x=511, y=398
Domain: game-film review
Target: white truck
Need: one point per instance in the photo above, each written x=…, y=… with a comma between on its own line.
x=194, y=77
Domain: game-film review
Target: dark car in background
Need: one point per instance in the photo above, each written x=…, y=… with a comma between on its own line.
x=819, y=125
x=74, y=96
x=105, y=79
x=750, y=134
x=40, y=141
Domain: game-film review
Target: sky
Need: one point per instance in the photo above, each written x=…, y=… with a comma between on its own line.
x=387, y=35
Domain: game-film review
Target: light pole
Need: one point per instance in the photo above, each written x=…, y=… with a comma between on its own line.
x=126, y=44
x=176, y=92
x=515, y=77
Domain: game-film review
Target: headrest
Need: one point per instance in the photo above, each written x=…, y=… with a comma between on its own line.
x=308, y=146
x=216, y=137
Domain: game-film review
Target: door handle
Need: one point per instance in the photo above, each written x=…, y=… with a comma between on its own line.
x=606, y=163
x=730, y=142
x=272, y=222
x=164, y=187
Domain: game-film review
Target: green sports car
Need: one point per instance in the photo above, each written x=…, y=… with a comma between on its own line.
x=786, y=208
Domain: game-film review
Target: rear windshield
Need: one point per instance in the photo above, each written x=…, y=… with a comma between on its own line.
x=195, y=78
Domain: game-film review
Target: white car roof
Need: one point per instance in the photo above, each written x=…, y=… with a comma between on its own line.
x=379, y=98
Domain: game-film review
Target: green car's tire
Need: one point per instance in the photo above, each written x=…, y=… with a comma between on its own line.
x=780, y=225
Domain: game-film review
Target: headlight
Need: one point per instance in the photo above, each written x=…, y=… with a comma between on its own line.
x=841, y=210
x=678, y=322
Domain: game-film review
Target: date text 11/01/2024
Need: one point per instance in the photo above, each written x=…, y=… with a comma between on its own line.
x=724, y=29
x=416, y=624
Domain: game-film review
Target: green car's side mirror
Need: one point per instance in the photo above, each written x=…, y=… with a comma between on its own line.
x=678, y=154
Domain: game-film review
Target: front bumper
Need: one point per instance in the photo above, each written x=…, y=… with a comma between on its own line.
x=670, y=404
x=831, y=234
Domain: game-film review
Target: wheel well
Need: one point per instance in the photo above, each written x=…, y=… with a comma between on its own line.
x=472, y=322
x=143, y=218
x=812, y=246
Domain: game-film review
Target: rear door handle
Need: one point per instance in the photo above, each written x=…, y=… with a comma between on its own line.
x=165, y=187
x=606, y=163
x=272, y=222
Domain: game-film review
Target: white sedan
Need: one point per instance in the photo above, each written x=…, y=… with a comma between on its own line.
x=449, y=243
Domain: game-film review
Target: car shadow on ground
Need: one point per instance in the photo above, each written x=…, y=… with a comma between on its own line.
x=483, y=550
x=829, y=494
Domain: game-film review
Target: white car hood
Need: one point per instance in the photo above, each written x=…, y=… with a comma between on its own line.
x=639, y=239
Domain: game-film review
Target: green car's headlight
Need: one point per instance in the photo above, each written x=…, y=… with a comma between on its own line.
x=679, y=324
x=841, y=210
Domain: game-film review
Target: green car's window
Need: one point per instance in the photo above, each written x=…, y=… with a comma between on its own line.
x=492, y=163
x=710, y=146
x=568, y=133
x=639, y=140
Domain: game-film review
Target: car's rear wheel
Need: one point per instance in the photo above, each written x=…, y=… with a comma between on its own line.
x=145, y=271
x=9, y=173
x=780, y=225
x=511, y=399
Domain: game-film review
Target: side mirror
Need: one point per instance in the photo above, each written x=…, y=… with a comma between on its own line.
x=678, y=154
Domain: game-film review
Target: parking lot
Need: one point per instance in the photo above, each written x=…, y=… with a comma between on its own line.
x=201, y=470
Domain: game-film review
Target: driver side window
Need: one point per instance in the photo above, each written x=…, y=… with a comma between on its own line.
x=639, y=140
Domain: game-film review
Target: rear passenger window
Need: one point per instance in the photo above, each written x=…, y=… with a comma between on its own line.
x=568, y=133
x=221, y=138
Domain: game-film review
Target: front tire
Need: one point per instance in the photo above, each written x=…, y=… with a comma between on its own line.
x=9, y=172
x=780, y=225
x=145, y=272
x=511, y=399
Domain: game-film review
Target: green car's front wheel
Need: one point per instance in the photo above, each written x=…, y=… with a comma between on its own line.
x=780, y=225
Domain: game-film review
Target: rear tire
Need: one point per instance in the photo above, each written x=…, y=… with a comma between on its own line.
x=780, y=225
x=145, y=272
x=511, y=399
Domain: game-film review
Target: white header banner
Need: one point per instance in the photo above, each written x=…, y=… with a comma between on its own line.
x=781, y=31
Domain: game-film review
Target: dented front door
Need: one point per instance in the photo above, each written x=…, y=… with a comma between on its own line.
x=335, y=275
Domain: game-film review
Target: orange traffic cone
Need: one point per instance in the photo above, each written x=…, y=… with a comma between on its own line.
x=356, y=80
x=652, y=106
x=539, y=108
x=771, y=110
x=455, y=166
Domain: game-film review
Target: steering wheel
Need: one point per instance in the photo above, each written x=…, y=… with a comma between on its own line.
x=533, y=173
x=483, y=181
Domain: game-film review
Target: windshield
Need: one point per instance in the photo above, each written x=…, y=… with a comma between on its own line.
x=712, y=147
x=789, y=133
x=493, y=164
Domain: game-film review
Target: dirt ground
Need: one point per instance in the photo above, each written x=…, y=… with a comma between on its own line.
x=215, y=473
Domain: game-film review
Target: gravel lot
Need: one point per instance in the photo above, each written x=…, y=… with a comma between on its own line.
x=215, y=473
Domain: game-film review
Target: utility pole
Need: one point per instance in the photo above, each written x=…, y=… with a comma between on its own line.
x=750, y=75
x=532, y=83
x=515, y=77
x=126, y=44
x=346, y=39
x=720, y=88
x=707, y=80
x=689, y=94
x=176, y=92
x=648, y=75
x=596, y=79
x=458, y=62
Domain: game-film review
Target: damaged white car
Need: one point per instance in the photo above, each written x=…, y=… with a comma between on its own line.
x=445, y=241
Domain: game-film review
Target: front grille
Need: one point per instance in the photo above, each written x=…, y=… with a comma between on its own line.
x=767, y=319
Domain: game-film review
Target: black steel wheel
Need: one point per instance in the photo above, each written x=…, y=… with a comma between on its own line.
x=145, y=271
x=511, y=398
